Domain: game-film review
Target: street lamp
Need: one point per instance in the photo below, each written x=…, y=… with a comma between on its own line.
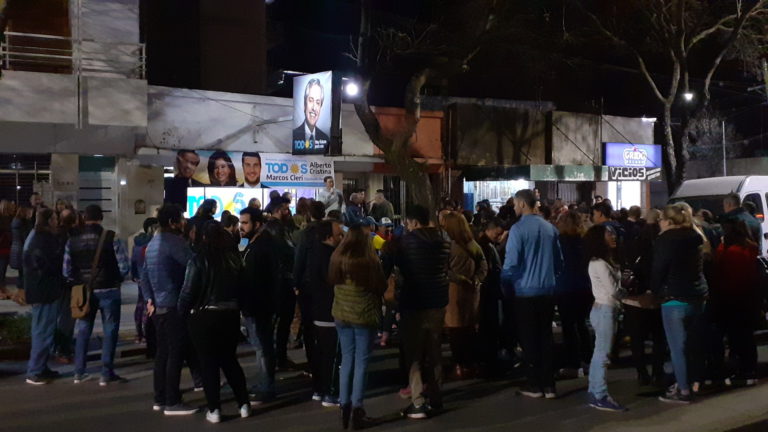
x=351, y=89
x=688, y=96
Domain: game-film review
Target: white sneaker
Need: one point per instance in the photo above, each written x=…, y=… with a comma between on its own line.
x=158, y=407
x=245, y=411
x=213, y=416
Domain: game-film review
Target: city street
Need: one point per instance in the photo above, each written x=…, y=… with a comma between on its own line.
x=470, y=405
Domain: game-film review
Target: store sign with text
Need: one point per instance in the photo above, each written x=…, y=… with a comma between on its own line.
x=633, y=173
x=282, y=170
x=632, y=155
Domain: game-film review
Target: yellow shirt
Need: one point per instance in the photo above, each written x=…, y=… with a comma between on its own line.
x=378, y=242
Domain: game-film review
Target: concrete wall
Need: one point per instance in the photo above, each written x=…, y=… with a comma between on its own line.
x=489, y=135
x=27, y=137
x=64, y=177
x=36, y=97
x=142, y=182
x=196, y=119
x=426, y=141
x=577, y=138
x=109, y=20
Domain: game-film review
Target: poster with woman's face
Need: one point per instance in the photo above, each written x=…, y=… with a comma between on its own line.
x=220, y=168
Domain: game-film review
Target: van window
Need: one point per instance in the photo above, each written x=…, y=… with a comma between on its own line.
x=712, y=203
x=754, y=198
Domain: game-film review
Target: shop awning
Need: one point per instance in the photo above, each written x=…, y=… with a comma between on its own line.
x=576, y=173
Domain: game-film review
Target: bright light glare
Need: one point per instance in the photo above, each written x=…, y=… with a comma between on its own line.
x=649, y=119
x=351, y=89
x=688, y=96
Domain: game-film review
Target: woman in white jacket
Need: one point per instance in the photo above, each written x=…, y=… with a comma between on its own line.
x=605, y=275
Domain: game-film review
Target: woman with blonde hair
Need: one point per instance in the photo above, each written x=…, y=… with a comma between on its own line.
x=677, y=278
x=358, y=280
x=467, y=270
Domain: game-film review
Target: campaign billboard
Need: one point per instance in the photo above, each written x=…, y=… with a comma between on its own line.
x=234, y=199
x=245, y=170
x=313, y=113
x=632, y=155
x=281, y=170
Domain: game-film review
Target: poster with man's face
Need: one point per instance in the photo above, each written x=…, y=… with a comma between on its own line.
x=219, y=168
x=312, y=95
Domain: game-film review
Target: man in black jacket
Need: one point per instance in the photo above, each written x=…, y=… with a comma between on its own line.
x=259, y=299
x=422, y=256
x=490, y=296
x=306, y=244
x=42, y=260
x=328, y=236
x=283, y=231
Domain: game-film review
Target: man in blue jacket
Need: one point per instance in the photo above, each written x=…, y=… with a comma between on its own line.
x=165, y=263
x=532, y=262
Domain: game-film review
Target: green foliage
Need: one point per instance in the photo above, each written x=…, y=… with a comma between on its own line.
x=15, y=328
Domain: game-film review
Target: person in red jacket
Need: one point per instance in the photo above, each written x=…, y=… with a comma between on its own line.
x=735, y=297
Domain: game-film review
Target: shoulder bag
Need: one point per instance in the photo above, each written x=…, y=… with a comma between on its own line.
x=80, y=302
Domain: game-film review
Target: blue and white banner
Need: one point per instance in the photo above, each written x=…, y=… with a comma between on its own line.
x=284, y=170
x=633, y=155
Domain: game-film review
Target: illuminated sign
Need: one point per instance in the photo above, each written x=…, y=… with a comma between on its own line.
x=632, y=155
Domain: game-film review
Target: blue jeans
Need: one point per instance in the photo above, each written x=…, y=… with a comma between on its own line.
x=43, y=325
x=603, y=319
x=678, y=324
x=261, y=336
x=356, y=345
x=108, y=302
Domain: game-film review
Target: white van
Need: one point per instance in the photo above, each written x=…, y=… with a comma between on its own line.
x=708, y=193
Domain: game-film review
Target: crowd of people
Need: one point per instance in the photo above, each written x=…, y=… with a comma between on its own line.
x=491, y=284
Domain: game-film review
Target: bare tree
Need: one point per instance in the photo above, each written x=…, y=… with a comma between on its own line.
x=690, y=38
x=430, y=50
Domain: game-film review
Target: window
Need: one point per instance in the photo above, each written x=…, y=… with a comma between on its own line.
x=754, y=198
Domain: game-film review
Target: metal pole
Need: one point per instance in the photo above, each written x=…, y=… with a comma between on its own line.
x=725, y=168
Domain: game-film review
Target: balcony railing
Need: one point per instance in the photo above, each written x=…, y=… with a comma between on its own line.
x=59, y=54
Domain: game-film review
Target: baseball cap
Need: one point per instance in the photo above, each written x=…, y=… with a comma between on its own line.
x=385, y=221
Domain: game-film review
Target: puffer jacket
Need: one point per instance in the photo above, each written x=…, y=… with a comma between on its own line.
x=677, y=271
x=422, y=256
x=207, y=285
x=359, y=305
x=19, y=231
x=43, y=255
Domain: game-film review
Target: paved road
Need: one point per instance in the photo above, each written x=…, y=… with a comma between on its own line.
x=470, y=405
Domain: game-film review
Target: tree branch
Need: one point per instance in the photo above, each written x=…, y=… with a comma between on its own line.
x=732, y=37
x=626, y=45
x=758, y=8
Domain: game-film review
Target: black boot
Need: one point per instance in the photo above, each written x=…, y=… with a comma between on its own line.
x=360, y=420
x=346, y=410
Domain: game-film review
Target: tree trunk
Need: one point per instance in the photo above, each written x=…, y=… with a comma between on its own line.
x=670, y=162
